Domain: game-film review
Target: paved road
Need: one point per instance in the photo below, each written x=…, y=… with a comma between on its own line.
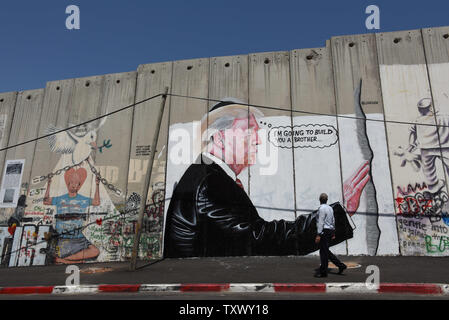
x=291, y=269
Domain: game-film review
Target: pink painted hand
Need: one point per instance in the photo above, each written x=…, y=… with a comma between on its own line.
x=354, y=186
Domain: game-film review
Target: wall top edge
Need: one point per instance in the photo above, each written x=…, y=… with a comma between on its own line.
x=61, y=81
x=353, y=37
x=4, y=94
x=440, y=28
x=308, y=50
x=144, y=67
x=31, y=91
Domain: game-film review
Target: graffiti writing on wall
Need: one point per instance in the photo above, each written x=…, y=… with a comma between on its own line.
x=423, y=204
x=441, y=247
x=24, y=245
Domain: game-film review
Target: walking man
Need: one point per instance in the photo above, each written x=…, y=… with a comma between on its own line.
x=325, y=233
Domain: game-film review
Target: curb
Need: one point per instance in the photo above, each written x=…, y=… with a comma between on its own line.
x=350, y=287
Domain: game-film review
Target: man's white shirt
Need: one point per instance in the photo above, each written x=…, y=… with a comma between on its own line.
x=325, y=219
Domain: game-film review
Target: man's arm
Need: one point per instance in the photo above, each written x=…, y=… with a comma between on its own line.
x=319, y=225
x=96, y=200
x=412, y=138
x=47, y=198
x=320, y=221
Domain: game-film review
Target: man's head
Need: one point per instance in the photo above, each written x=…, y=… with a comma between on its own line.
x=323, y=198
x=74, y=179
x=230, y=132
x=425, y=106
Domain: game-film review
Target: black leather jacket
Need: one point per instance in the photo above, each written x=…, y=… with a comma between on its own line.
x=210, y=215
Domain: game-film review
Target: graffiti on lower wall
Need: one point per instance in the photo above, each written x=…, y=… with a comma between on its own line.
x=67, y=216
x=419, y=152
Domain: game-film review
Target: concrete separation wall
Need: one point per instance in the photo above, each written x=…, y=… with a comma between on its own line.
x=364, y=118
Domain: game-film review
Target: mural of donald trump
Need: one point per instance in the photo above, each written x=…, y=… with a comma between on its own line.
x=210, y=214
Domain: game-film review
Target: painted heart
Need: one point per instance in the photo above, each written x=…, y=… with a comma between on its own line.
x=12, y=229
x=99, y=221
x=75, y=174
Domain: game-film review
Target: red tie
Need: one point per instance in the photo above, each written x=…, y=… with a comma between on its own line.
x=239, y=183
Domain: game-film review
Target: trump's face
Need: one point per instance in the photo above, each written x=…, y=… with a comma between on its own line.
x=240, y=142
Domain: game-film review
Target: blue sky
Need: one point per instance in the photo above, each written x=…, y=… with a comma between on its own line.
x=117, y=36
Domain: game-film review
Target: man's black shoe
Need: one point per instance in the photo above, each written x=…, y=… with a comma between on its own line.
x=320, y=275
x=341, y=269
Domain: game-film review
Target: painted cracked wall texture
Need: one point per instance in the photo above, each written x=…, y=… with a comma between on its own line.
x=364, y=119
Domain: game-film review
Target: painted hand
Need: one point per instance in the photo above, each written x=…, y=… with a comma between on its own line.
x=410, y=156
x=354, y=186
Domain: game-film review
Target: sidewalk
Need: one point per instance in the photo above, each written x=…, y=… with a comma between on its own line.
x=231, y=272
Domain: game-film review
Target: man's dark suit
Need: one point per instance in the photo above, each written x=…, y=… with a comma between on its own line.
x=210, y=215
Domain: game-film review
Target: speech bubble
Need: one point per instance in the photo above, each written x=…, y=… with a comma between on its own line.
x=303, y=136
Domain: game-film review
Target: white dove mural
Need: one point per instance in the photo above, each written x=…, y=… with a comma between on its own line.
x=75, y=147
x=79, y=144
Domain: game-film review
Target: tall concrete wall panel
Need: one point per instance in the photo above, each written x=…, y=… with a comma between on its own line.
x=363, y=148
x=229, y=79
x=363, y=119
x=17, y=171
x=111, y=230
x=436, y=47
x=24, y=127
x=7, y=105
x=54, y=116
x=415, y=153
x=269, y=85
x=188, y=106
x=151, y=81
x=312, y=88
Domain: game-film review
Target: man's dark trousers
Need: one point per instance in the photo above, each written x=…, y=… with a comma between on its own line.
x=325, y=253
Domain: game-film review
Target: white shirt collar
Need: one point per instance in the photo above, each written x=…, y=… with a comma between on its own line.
x=221, y=163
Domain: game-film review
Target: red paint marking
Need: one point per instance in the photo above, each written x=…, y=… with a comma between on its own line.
x=409, y=288
x=299, y=287
x=202, y=287
x=428, y=204
x=119, y=287
x=26, y=290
